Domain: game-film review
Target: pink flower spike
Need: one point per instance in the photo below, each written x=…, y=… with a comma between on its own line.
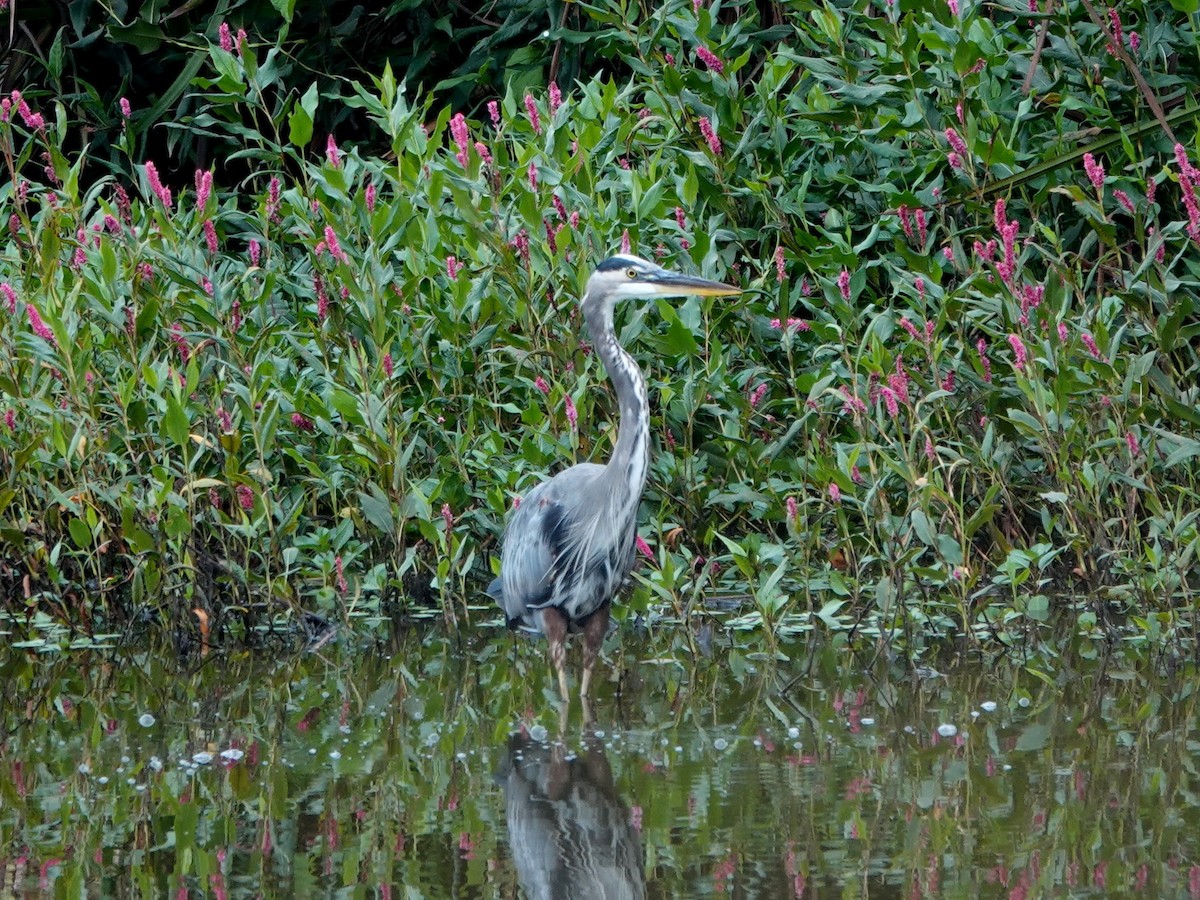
x=780, y=270
x=126, y=111
x=39, y=327
x=1123, y=198
x=714, y=142
x=890, y=401
x=484, y=153
x=10, y=295
x=245, y=497
x=210, y=236
x=843, y=282
x=792, y=511
x=1063, y=334
x=10, y=420
x=555, y=98
x=462, y=138
x=1090, y=343
x=572, y=415
x=1135, y=41
x=953, y=5
x=644, y=548
x=532, y=111
x=757, y=394
x=930, y=453
x=710, y=60
x=452, y=267
x=1132, y=442
x=204, y=182
x=533, y=176
x=1094, y=170
x=331, y=243
x=541, y=384
x=369, y=197
x=160, y=190
x=625, y=242
x=241, y=40
x=342, y=587
x=957, y=144
x=225, y=37
x=1020, y=355
x=494, y=113
x=332, y=154
x=835, y=493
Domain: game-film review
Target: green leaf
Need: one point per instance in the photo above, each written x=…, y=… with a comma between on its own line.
x=300, y=120
x=175, y=422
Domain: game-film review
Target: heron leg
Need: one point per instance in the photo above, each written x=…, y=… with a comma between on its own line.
x=593, y=637
x=554, y=626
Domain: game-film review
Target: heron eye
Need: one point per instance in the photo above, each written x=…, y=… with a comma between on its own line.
x=632, y=273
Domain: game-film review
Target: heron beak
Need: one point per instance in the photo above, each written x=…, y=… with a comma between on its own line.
x=673, y=284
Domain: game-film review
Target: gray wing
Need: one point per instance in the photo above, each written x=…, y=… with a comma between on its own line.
x=547, y=524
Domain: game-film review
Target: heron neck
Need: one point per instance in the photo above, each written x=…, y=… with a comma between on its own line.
x=631, y=456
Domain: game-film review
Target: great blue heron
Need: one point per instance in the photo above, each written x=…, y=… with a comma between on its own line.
x=568, y=547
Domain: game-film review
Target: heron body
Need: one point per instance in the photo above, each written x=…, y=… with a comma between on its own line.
x=569, y=547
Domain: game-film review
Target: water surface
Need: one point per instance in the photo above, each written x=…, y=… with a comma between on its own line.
x=429, y=766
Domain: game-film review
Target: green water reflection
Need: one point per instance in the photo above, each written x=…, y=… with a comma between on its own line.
x=430, y=767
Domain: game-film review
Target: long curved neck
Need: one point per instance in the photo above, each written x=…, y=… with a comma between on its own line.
x=631, y=456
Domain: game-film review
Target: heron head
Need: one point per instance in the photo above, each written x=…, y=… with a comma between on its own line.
x=626, y=277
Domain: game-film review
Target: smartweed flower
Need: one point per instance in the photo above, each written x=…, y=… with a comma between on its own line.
x=532, y=174
x=160, y=190
x=245, y=497
x=342, y=587
x=1090, y=343
x=10, y=295
x=225, y=37
x=38, y=326
x=369, y=197
x=644, y=548
x=541, y=384
x=555, y=98
x=204, y=183
x=843, y=283
x=1095, y=171
x=1020, y=355
x=210, y=236
x=793, y=512
x=780, y=271
x=714, y=142
x=1132, y=442
x=126, y=110
x=494, y=112
x=757, y=394
x=710, y=60
x=572, y=415
x=462, y=138
x=1123, y=199
x=835, y=492
x=255, y=253
x=981, y=348
x=452, y=267
x=957, y=144
x=532, y=111
x=484, y=153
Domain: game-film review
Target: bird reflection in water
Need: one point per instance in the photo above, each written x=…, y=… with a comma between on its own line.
x=569, y=831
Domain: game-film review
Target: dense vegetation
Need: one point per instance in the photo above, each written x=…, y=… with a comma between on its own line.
x=959, y=393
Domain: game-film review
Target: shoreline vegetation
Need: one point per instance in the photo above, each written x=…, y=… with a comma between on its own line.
x=959, y=396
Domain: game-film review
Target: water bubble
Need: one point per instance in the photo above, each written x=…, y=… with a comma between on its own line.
x=312, y=751
x=793, y=732
x=600, y=733
x=538, y=733
x=947, y=730
x=867, y=720
x=344, y=729
x=460, y=756
x=140, y=788
x=85, y=769
x=103, y=779
x=988, y=705
x=203, y=758
x=131, y=781
x=1023, y=702
x=974, y=714
x=145, y=720
x=757, y=742
x=720, y=744
x=124, y=760
x=233, y=754
x=678, y=749
x=335, y=754
x=156, y=764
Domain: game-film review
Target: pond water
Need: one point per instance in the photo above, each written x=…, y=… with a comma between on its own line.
x=427, y=766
